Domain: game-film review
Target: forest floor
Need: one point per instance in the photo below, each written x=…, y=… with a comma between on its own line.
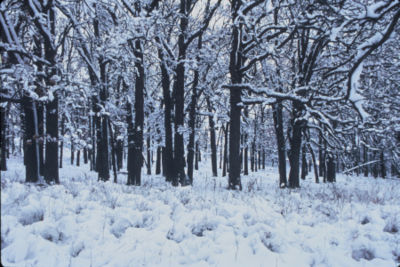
x=83, y=222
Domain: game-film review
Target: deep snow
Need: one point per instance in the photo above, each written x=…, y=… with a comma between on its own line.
x=83, y=222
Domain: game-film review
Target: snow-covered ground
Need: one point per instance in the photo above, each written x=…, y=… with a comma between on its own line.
x=83, y=222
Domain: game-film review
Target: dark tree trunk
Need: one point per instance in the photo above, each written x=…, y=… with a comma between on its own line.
x=148, y=155
x=167, y=153
x=3, y=161
x=295, y=145
x=196, y=162
x=113, y=152
x=263, y=162
x=314, y=163
x=158, y=160
x=179, y=89
x=375, y=168
x=246, y=158
x=234, y=141
x=365, y=156
x=192, y=120
x=136, y=160
x=78, y=157
x=321, y=155
x=383, y=165
x=62, y=140
x=131, y=132
x=304, y=167
x=85, y=155
x=72, y=152
x=31, y=152
x=252, y=160
x=213, y=145
x=235, y=64
x=51, y=164
x=280, y=140
x=119, y=152
x=41, y=139
x=224, y=167
x=331, y=170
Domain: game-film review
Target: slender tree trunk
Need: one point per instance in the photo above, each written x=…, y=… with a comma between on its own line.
x=365, y=156
x=85, y=155
x=62, y=140
x=211, y=123
x=41, y=138
x=130, y=163
x=119, y=152
x=72, y=152
x=375, y=168
x=196, y=162
x=158, y=160
x=78, y=157
x=167, y=152
x=322, y=158
x=280, y=140
x=295, y=145
x=383, y=165
x=314, y=163
x=179, y=89
x=113, y=152
x=224, y=167
x=3, y=161
x=30, y=148
x=149, y=160
x=136, y=157
x=235, y=64
x=192, y=120
x=331, y=170
x=304, y=167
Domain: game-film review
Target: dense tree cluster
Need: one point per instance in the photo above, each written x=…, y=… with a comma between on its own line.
x=312, y=83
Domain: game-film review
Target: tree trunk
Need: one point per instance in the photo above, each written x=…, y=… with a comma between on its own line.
x=113, y=152
x=158, y=160
x=3, y=161
x=365, y=156
x=179, y=89
x=148, y=155
x=192, y=120
x=72, y=152
x=331, y=170
x=31, y=153
x=85, y=155
x=280, y=140
x=119, y=152
x=167, y=153
x=41, y=139
x=383, y=165
x=62, y=140
x=136, y=149
x=224, y=166
x=213, y=145
x=196, y=162
x=314, y=163
x=304, y=167
x=295, y=145
x=78, y=157
x=321, y=155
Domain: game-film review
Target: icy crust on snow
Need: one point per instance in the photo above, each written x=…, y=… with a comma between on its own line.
x=82, y=222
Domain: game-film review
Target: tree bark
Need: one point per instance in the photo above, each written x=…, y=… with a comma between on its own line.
x=3, y=161
x=213, y=145
x=167, y=152
x=158, y=161
x=31, y=153
x=280, y=140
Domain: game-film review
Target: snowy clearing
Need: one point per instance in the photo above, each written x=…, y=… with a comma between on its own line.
x=83, y=222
